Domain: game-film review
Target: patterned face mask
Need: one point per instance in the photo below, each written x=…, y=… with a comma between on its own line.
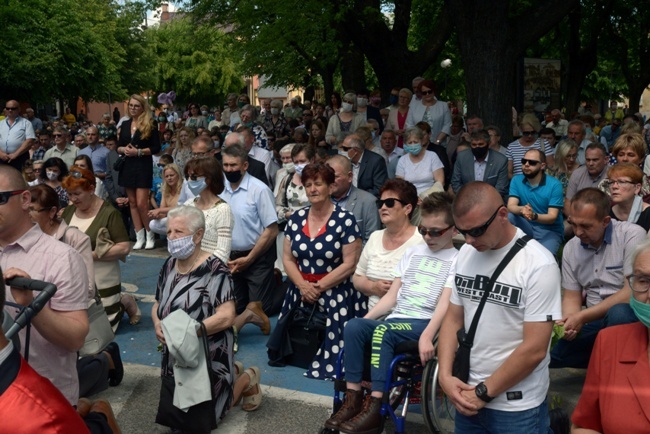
x=181, y=248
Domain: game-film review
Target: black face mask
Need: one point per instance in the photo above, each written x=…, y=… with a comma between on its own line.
x=233, y=177
x=480, y=152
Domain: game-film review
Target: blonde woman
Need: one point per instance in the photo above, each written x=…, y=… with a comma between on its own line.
x=182, y=152
x=138, y=141
x=171, y=190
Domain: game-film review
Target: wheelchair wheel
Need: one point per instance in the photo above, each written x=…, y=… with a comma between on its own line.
x=437, y=409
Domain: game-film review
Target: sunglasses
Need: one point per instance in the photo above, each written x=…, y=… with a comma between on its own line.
x=194, y=177
x=390, y=202
x=525, y=161
x=528, y=133
x=57, y=135
x=433, y=233
x=426, y=92
x=347, y=148
x=479, y=230
x=5, y=195
x=11, y=108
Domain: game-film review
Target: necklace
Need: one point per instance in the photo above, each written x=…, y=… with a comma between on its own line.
x=178, y=268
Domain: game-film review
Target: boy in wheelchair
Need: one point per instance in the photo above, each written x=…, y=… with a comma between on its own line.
x=420, y=296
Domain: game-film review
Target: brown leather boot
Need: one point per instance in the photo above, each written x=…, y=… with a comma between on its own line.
x=369, y=421
x=350, y=408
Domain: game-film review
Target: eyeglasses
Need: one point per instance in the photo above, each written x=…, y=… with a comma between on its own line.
x=426, y=92
x=525, y=161
x=11, y=108
x=571, y=156
x=5, y=195
x=32, y=209
x=528, y=133
x=195, y=177
x=433, y=233
x=390, y=202
x=76, y=174
x=479, y=230
x=639, y=283
x=57, y=135
x=618, y=182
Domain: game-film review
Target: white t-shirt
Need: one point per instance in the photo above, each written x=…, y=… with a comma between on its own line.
x=419, y=174
x=528, y=290
x=378, y=263
x=424, y=274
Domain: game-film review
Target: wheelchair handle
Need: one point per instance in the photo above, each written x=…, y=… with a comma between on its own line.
x=47, y=290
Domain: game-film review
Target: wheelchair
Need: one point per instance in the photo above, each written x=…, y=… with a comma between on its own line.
x=410, y=382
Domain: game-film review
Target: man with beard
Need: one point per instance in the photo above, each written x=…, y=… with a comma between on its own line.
x=535, y=202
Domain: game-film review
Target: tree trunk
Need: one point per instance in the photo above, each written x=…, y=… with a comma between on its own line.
x=636, y=89
x=328, y=84
x=353, y=72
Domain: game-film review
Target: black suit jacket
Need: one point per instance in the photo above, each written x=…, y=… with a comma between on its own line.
x=372, y=173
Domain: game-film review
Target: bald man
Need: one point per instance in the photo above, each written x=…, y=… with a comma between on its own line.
x=509, y=357
x=16, y=136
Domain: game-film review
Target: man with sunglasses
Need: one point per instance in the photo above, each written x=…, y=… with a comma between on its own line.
x=508, y=375
x=62, y=148
x=368, y=168
x=536, y=202
x=60, y=329
x=16, y=136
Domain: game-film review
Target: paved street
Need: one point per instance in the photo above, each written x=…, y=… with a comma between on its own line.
x=291, y=404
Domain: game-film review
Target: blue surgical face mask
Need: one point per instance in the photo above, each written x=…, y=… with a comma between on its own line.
x=641, y=310
x=413, y=149
x=344, y=153
x=197, y=186
x=299, y=168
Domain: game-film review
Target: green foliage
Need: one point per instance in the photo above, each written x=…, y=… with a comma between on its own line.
x=196, y=60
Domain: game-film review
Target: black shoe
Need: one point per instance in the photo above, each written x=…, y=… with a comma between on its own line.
x=115, y=375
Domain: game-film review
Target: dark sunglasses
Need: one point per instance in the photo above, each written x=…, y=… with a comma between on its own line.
x=194, y=177
x=479, y=230
x=5, y=195
x=390, y=202
x=11, y=108
x=433, y=233
x=426, y=92
x=528, y=133
x=525, y=161
x=57, y=135
x=161, y=165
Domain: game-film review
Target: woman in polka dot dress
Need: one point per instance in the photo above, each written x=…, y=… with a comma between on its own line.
x=321, y=249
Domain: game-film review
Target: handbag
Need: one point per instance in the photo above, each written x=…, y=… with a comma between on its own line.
x=200, y=418
x=100, y=332
x=306, y=334
x=119, y=163
x=460, y=368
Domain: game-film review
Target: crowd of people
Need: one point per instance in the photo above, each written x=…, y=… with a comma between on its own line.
x=359, y=204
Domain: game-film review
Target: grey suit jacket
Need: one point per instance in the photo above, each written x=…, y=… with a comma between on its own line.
x=496, y=172
x=364, y=208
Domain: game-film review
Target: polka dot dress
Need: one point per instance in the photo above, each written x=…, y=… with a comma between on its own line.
x=318, y=255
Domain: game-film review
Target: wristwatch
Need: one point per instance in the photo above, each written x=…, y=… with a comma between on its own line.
x=535, y=216
x=482, y=392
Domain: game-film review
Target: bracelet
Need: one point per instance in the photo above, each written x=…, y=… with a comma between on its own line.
x=139, y=152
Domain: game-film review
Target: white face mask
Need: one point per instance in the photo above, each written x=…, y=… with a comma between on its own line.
x=362, y=102
x=344, y=153
x=181, y=248
x=299, y=168
x=346, y=107
x=289, y=167
x=52, y=176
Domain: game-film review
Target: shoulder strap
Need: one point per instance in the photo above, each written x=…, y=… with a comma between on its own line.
x=520, y=244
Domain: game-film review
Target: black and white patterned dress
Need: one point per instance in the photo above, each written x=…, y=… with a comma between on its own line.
x=199, y=293
x=319, y=255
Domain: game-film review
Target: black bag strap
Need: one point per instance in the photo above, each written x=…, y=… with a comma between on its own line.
x=520, y=244
x=313, y=310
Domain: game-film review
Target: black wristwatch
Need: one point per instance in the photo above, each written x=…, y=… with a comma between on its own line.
x=482, y=392
x=535, y=216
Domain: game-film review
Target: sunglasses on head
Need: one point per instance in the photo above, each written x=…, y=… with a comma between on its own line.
x=5, y=195
x=479, y=230
x=390, y=202
x=433, y=233
x=76, y=174
x=525, y=161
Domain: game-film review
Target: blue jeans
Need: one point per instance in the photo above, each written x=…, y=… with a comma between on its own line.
x=576, y=353
x=488, y=421
x=384, y=336
x=546, y=237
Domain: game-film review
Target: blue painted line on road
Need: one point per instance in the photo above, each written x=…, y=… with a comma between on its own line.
x=139, y=344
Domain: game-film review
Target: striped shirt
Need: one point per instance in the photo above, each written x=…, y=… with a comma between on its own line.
x=516, y=152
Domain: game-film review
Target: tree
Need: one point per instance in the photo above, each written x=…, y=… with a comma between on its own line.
x=492, y=37
x=196, y=60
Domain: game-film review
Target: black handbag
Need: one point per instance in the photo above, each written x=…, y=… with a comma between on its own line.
x=200, y=418
x=119, y=163
x=460, y=368
x=306, y=334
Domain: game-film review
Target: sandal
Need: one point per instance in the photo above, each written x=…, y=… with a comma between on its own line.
x=252, y=401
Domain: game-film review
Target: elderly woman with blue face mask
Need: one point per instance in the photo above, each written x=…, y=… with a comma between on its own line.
x=616, y=392
x=197, y=282
x=420, y=167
